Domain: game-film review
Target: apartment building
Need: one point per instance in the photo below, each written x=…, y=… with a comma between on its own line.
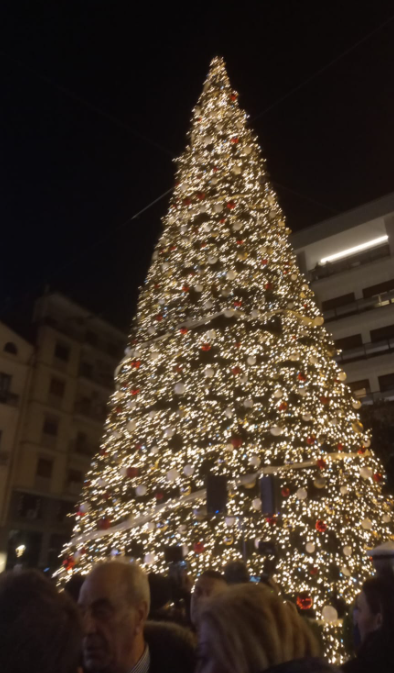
x=74, y=357
x=349, y=261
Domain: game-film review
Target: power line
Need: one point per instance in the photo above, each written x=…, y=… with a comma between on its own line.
x=87, y=250
x=323, y=69
x=94, y=108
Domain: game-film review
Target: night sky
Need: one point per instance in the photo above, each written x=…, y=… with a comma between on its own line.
x=96, y=99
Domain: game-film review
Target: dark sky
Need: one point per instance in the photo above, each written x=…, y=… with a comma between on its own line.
x=96, y=97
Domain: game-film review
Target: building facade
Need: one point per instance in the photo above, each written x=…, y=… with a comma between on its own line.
x=349, y=261
x=16, y=357
x=71, y=379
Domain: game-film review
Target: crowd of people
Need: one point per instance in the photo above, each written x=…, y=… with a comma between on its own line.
x=118, y=619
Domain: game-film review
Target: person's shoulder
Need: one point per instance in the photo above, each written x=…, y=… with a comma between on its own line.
x=172, y=647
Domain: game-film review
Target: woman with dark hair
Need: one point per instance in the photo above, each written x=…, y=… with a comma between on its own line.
x=374, y=617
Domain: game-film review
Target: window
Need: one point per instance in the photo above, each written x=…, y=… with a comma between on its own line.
x=51, y=426
x=44, y=468
x=386, y=382
x=113, y=349
x=29, y=506
x=360, y=388
x=5, y=382
x=382, y=333
x=86, y=370
x=74, y=476
x=347, y=343
x=10, y=348
x=336, y=302
x=91, y=338
x=62, y=352
x=57, y=387
x=380, y=288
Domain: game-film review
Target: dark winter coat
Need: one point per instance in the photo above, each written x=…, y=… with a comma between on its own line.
x=172, y=648
x=376, y=655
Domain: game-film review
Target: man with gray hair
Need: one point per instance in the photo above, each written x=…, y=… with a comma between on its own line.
x=114, y=602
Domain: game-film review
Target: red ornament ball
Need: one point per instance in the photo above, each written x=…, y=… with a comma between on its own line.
x=271, y=520
x=222, y=221
x=321, y=464
x=264, y=262
x=378, y=477
x=185, y=288
x=301, y=377
x=206, y=347
x=340, y=447
x=321, y=526
x=159, y=318
x=268, y=286
x=230, y=205
x=313, y=570
x=311, y=440
x=240, y=242
x=283, y=406
x=236, y=370
x=186, y=202
x=201, y=196
x=238, y=304
x=236, y=442
x=361, y=450
x=324, y=399
x=233, y=97
x=235, y=140
x=136, y=364
x=304, y=601
x=135, y=391
x=198, y=547
x=285, y=492
x=69, y=563
x=183, y=330
x=104, y=523
x=159, y=495
x=132, y=472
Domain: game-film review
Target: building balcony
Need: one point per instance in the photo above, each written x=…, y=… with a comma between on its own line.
x=365, y=351
x=93, y=413
x=378, y=396
x=6, y=397
x=348, y=263
x=359, y=306
x=86, y=449
x=100, y=378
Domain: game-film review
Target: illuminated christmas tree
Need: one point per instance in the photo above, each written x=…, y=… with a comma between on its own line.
x=229, y=372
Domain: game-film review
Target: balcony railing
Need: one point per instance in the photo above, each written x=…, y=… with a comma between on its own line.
x=369, y=350
x=348, y=263
x=360, y=306
x=92, y=412
x=370, y=398
x=102, y=379
x=6, y=397
x=83, y=448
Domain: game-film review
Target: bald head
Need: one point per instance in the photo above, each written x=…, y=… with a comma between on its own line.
x=114, y=601
x=127, y=580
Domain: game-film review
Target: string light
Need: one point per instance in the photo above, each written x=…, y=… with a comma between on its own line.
x=229, y=370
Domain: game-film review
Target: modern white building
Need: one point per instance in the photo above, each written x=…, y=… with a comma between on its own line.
x=349, y=261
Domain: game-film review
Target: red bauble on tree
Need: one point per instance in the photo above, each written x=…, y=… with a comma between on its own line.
x=378, y=477
x=69, y=563
x=159, y=318
x=321, y=526
x=236, y=370
x=206, y=347
x=231, y=205
x=132, y=472
x=236, y=442
x=198, y=547
x=104, y=523
x=285, y=492
x=311, y=440
x=304, y=601
x=321, y=464
x=183, y=330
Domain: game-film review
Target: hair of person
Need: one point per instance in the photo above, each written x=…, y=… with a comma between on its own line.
x=379, y=592
x=133, y=578
x=212, y=574
x=252, y=629
x=40, y=629
x=236, y=572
